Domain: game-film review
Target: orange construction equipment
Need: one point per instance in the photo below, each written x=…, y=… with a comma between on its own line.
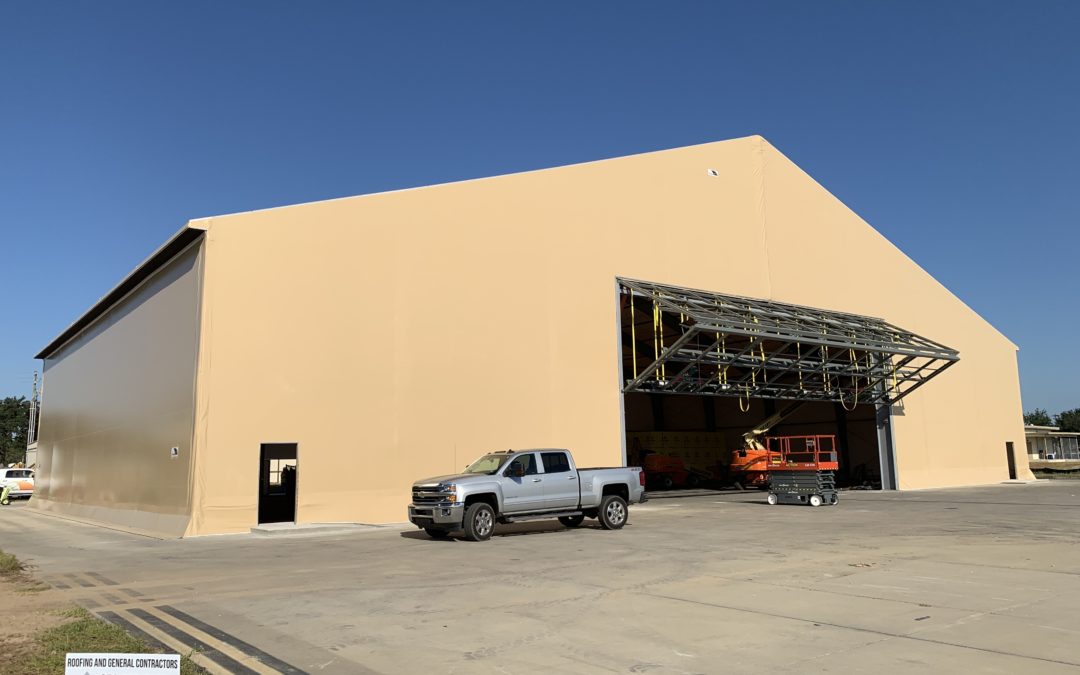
x=750, y=467
x=750, y=463
x=801, y=470
x=802, y=453
x=665, y=472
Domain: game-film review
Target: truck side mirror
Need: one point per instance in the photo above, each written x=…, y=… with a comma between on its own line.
x=516, y=470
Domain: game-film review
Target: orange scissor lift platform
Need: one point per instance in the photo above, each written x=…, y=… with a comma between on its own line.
x=801, y=469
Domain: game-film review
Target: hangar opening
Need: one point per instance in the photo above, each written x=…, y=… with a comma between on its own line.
x=711, y=382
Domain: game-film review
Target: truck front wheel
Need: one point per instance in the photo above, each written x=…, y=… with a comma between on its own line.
x=479, y=522
x=612, y=512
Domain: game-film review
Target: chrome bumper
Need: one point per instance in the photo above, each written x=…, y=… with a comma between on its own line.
x=445, y=515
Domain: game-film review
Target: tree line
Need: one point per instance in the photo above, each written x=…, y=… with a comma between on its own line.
x=14, y=425
x=1067, y=420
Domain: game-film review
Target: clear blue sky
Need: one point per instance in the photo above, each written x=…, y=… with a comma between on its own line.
x=951, y=127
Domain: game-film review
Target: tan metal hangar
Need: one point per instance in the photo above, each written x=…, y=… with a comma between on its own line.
x=306, y=363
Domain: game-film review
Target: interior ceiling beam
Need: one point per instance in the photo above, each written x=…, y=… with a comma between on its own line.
x=874, y=361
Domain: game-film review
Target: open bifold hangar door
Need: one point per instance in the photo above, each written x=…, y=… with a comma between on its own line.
x=743, y=365
x=723, y=345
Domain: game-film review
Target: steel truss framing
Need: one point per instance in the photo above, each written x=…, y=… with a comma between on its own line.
x=682, y=341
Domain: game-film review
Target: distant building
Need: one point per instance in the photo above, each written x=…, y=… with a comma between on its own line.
x=1051, y=443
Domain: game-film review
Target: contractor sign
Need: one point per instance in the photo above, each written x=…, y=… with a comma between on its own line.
x=122, y=664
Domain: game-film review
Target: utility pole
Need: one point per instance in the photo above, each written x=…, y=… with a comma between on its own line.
x=32, y=427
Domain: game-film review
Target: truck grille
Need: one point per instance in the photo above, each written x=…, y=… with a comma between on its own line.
x=427, y=495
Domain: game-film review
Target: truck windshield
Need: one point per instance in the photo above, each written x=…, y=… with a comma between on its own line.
x=488, y=464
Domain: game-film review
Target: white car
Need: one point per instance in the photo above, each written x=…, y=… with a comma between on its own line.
x=21, y=482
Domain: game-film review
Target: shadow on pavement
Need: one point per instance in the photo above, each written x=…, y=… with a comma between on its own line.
x=511, y=530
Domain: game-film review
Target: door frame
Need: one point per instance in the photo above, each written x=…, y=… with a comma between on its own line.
x=258, y=491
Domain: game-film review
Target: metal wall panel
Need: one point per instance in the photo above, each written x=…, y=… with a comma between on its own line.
x=118, y=397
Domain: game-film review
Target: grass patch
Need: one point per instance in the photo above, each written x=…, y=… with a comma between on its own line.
x=73, y=630
x=10, y=566
x=33, y=587
x=14, y=570
x=85, y=632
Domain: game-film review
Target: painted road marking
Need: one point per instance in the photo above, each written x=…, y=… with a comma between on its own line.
x=117, y=620
x=235, y=642
x=188, y=640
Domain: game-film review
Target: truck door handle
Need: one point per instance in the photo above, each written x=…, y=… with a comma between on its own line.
x=571, y=478
x=536, y=480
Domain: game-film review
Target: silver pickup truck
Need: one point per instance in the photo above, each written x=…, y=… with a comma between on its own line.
x=517, y=485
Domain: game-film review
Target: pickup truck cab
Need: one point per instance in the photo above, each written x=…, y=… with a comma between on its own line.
x=517, y=485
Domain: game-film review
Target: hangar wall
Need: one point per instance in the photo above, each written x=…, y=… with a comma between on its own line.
x=398, y=335
x=953, y=430
x=117, y=398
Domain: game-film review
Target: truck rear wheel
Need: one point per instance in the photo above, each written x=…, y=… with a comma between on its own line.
x=571, y=521
x=437, y=532
x=479, y=522
x=612, y=514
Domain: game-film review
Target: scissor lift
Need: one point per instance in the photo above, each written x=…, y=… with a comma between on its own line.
x=801, y=470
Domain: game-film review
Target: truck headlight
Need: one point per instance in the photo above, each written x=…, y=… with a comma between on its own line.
x=450, y=492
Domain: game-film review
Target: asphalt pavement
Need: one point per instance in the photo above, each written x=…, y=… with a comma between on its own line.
x=984, y=580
